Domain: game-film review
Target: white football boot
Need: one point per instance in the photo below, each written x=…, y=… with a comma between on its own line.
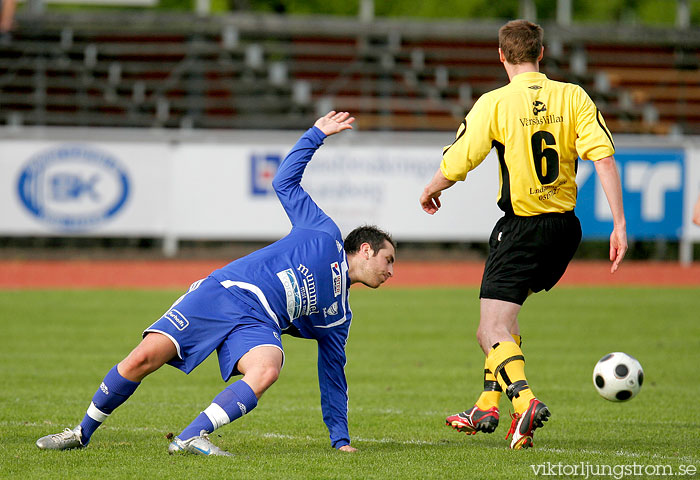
x=65, y=440
x=200, y=445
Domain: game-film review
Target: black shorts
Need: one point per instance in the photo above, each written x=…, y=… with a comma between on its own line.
x=529, y=253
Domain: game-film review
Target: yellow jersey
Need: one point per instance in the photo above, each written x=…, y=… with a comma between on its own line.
x=539, y=128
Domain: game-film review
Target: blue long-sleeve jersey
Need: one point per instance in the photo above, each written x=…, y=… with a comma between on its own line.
x=302, y=282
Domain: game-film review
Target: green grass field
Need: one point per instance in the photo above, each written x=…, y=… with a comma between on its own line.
x=412, y=360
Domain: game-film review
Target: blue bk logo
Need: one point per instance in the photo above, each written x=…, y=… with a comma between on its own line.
x=73, y=188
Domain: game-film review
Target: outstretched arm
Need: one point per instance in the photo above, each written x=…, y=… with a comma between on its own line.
x=334, y=387
x=300, y=208
x=430, y=199
x=610, y=180
x=696, y=212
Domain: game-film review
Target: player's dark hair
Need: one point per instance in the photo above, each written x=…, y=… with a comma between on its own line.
x=520, y=41
x=367, y=234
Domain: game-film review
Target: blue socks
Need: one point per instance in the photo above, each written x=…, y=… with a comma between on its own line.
x=114, y=390
x=233, y=402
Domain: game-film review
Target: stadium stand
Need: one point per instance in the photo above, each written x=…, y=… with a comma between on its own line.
x=139, y=69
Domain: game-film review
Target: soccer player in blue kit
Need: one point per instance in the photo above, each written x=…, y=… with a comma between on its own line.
x=297, y=285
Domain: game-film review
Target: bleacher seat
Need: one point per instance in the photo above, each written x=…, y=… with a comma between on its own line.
x=248, y=71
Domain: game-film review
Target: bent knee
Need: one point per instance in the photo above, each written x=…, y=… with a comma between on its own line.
x=261, y=378
x=269, y=374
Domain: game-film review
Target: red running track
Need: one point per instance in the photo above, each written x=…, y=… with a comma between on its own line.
x=23, y=274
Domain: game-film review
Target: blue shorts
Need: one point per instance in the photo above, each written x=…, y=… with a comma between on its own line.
x=209, y=317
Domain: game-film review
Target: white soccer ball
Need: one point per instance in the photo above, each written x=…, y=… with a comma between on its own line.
x=618, y=377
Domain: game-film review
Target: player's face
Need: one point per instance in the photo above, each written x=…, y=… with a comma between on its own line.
x=379, y=265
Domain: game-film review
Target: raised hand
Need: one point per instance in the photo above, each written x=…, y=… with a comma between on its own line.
x=334, y=122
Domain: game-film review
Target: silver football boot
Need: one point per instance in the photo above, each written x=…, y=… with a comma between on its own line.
x=200, y=445
x=65, y=440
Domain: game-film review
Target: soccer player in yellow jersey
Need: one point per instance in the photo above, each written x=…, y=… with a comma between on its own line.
x=539, y=129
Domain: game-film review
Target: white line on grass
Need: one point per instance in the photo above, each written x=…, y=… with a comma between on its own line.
x=619, y=453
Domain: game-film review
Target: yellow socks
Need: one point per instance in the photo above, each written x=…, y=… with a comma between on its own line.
x=507, y=363
x=492, y=390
